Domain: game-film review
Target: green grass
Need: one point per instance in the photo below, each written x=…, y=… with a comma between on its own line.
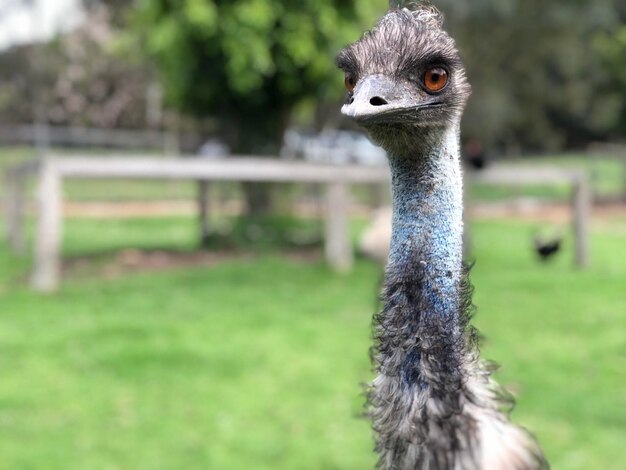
x=559, y=334
x=256, y=363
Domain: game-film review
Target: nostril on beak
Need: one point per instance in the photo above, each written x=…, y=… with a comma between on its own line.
x=351, y=101
x=377, y=101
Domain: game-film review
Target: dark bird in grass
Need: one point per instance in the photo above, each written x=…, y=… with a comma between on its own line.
x=433, y=404
x=547, y=248
x=475, y=155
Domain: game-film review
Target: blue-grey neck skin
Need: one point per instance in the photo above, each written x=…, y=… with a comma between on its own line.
x=427, y=222
x=420, y=329
x=425, y=257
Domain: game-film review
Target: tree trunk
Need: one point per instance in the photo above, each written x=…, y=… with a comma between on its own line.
x=258, y=135
x=258, y=199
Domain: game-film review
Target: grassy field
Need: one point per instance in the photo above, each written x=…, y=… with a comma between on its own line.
x=255, y=363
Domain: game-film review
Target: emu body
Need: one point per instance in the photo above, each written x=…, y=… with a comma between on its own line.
x=433, y=404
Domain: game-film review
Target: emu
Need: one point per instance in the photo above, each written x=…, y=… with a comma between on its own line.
x=433, y=403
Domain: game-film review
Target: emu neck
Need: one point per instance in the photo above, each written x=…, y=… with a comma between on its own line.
x=420, y=326
x=427, y=222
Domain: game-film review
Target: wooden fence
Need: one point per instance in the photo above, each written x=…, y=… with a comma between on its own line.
x=52, y=171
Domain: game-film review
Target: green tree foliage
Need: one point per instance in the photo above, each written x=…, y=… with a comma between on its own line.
x=546, y=75
x=611, y=49
x=246, y=62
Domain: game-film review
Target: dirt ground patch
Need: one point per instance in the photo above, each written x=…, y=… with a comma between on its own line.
x=533, y=210
x=527, y=209
x=115, y=265
x=128, y=209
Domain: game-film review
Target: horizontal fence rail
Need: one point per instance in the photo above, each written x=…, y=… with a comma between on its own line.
x=229, y=169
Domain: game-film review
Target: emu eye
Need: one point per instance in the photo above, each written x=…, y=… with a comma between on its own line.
x=435, y=79
x=350, y=83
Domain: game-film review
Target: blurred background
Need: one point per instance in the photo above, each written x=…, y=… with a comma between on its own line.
x=184, y=322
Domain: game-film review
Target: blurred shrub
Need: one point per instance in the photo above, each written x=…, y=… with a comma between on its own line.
x=77, y=79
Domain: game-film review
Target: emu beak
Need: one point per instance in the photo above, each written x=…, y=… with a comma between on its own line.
x=377, y=98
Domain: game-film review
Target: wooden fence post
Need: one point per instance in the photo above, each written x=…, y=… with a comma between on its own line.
x=623, y=159
x=338, y=248
x=582, y=203
x=49, y=228
x=203, y=211
x=171, y=143
x=14, y=208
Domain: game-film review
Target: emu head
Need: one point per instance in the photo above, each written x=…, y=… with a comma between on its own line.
x=404, y=77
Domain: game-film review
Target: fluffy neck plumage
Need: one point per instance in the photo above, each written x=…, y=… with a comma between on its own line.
x=433, y=406
x=425, y=261
x=420, y=346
